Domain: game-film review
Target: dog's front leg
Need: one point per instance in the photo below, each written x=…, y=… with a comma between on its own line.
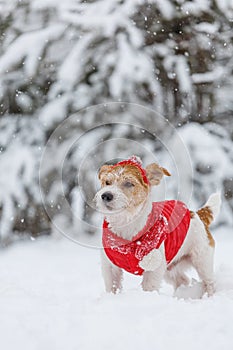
x=155, y=266
x=112, y=275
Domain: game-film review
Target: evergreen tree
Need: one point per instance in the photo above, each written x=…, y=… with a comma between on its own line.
x=174, y=56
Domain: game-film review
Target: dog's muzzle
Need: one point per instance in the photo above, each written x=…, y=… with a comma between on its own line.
x=110, y=198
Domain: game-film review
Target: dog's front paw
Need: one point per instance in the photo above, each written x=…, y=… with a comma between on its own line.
x=116, y=288
x=151, y=261
x=151, y=281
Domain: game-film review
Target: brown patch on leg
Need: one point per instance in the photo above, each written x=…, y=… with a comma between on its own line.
x=206, y=216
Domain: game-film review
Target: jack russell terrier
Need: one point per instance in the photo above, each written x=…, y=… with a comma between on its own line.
x=154, y=239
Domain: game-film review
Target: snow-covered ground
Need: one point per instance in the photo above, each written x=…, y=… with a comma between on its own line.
x=52, y=297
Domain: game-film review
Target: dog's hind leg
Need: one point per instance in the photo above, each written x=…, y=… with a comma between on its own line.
x=175, y=274
x=203, y=263
x=202, y=256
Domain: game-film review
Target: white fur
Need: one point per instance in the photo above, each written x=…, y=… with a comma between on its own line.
x=195, y=251
x=112, y=275
x=120, y=202
x=122, y=221
x=128, y=224
x=152, y=261
x=155, y=267
x=214, y=203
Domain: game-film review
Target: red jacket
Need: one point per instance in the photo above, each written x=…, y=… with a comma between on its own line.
x=168, y=222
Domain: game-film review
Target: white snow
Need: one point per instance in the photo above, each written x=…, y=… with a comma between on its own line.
x=54, y=111
x=208, y=77
x=195, y=7
x=179, y=67
x=206, y=163
x=11, y=190
x=183, y=76
x=28, y=49
x=52, y=297
x=130, y=63
x=206, y=27
x=166, y=8
x=226, y=6
x=71, y=69
x=110, y=15
x=40, y=4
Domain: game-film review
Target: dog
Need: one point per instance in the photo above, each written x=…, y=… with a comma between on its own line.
x=158, y=240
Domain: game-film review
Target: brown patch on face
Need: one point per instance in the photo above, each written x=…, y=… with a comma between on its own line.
x=104, y=170
x=129, y=180
x=206, y=216
x=137, y=193
x=134, y=173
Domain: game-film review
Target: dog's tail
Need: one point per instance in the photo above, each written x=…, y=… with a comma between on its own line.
x=210, y=210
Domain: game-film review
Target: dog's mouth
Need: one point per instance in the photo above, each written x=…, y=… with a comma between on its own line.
x=108, y=206
x=111, y=208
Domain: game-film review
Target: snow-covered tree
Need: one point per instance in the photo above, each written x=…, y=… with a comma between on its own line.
x=211, y=161
x=174, y=55
x=56, y=58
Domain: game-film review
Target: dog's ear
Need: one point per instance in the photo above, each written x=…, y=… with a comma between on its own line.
x=154, y=173
x=104, y=170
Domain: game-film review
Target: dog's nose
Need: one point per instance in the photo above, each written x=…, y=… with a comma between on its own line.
x=107, y=196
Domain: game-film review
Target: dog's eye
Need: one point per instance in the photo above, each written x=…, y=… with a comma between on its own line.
x=128, y=184
x=107, y=183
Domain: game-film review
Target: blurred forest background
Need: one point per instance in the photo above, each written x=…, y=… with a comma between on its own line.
x=59, y=57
